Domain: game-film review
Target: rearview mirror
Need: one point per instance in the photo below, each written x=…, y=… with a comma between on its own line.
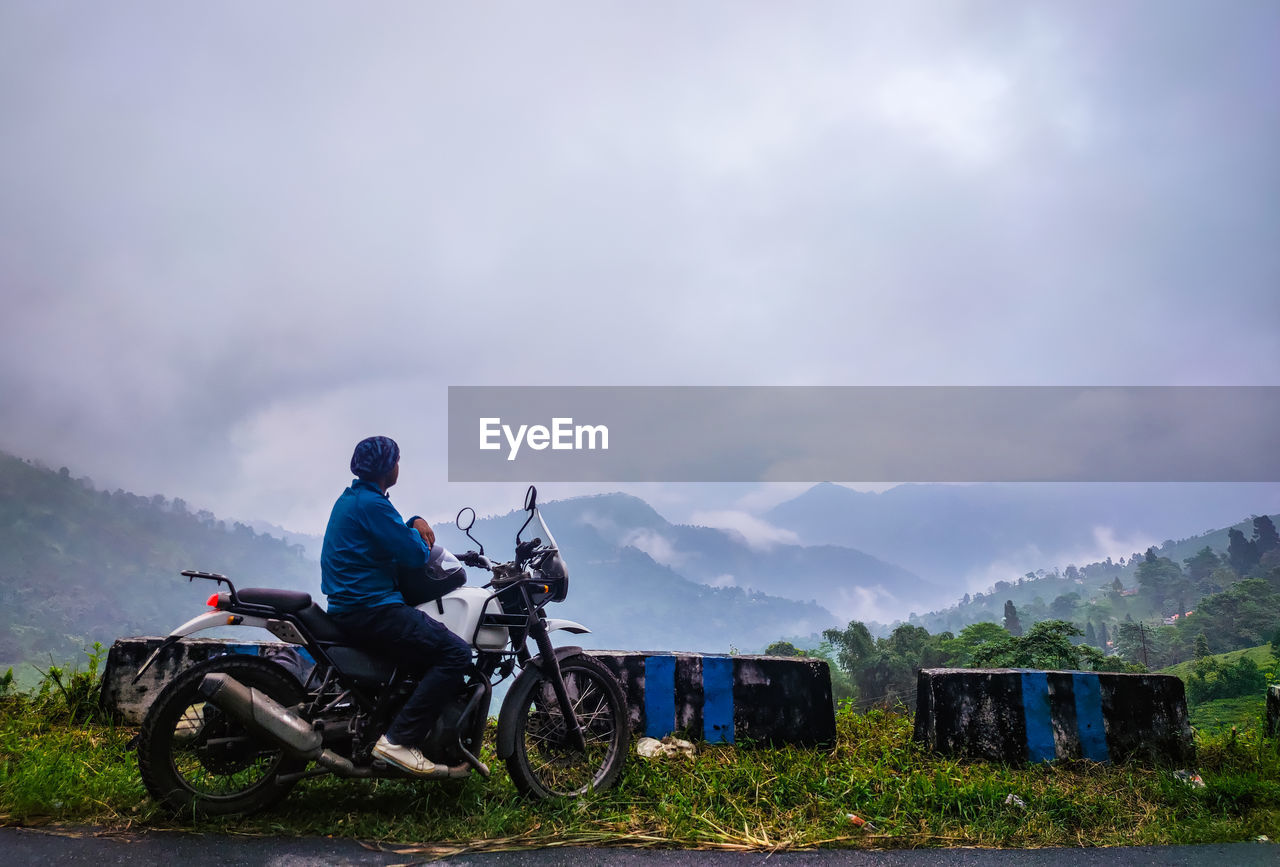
x=466, y=518
x=531, y=499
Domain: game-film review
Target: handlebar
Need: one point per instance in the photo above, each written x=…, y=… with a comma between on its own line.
x=524, y=550
x=479, y=561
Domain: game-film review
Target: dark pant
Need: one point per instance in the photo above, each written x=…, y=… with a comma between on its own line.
x=413, y=641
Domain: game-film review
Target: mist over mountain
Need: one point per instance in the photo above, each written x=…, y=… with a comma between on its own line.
x=79, y=565
x=966, y=537
x=845, y=581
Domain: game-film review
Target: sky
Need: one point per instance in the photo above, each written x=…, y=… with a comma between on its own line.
x=236, y=238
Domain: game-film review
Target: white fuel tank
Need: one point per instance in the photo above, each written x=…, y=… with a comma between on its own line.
x=462, y=609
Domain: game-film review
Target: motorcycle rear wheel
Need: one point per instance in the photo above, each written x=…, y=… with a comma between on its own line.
x=197, y=760
x=544, y=764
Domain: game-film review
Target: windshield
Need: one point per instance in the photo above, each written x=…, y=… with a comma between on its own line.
x=547, y=538
x=549, y=564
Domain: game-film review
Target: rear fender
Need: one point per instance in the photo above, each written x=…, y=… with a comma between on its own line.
x=199, y=623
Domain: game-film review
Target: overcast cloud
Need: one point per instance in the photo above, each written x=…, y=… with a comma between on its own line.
x=237, y=237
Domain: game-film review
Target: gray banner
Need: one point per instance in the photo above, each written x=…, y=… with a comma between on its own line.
x=864, y=434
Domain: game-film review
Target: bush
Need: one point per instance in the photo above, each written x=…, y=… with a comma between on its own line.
x=1212, y=680
x=62, y=693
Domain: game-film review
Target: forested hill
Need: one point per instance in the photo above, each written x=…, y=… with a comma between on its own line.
x=1222, y=582
x=78, y=565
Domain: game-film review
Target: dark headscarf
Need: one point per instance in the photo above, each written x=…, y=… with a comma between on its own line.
x=374, y=457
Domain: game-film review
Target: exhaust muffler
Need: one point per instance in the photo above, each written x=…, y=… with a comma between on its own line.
x=268, y=717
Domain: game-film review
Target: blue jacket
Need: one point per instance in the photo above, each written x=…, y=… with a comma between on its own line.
x=365, y=544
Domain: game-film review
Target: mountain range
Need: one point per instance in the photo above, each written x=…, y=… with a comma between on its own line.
x=78, y=564
x=966, y=537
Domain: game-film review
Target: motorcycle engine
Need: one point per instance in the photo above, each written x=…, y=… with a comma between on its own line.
x=442, y=744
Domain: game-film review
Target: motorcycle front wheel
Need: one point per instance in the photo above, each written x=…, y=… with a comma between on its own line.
x=198, y=761
x=544, y=762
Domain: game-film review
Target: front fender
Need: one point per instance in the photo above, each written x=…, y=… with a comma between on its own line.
x=567, y=625
x=526, y=681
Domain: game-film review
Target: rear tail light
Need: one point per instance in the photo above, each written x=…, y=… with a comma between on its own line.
x=217, y=600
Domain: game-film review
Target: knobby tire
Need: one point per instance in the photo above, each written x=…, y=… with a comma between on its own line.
x=544, y=764
x=198, y=761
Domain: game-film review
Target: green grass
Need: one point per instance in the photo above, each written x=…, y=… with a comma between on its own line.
x=1260, y=654
x=54, y=770
x=1244, y=712
x=1225, y=713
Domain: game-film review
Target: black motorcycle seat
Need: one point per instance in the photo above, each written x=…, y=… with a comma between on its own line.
x=282, y=600
x=361, y=663
x=320, y=625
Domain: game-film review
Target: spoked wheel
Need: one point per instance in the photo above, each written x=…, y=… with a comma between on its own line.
x=196, y=759
x=545, y=763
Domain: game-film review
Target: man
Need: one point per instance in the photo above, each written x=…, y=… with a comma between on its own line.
x=365, y=545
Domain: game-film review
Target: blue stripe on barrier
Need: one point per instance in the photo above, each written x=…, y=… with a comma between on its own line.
x=659, y=696
x=717, y=699
x=1035, y=704
x=247, y=649
x=1093, y=732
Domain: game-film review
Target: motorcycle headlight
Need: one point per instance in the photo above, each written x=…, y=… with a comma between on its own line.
x=556, y=575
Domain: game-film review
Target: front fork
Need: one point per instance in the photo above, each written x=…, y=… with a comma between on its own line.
x=551, y=668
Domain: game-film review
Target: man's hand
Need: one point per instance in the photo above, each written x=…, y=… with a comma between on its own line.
x=424, y=530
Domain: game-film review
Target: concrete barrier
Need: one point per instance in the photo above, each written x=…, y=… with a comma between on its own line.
x=720, y=699
x=1016, y=715
x=727, y=699
x=128, y=701
x=1273, y=710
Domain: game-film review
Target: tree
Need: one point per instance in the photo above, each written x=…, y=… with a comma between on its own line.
x=1035, y=610
x=1201, y=566
x=1202, y=646
x=783, y=648
x=1242, y=554
x=884, y=670
x=1246, y=614
x=1064, y=606
x=1011, y=622
x=972, y=637
x=1117, y=585
x=1090, y=637
x=1132, y=642
x=1265, y=537
x=1219, y=579
x=886, y=678
x=908, y=640
x=1046, y=645
x=1103, y=638
x=1160, y=580
x=852, y=644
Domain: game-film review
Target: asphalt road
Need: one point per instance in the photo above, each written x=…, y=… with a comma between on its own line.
x=21, y=846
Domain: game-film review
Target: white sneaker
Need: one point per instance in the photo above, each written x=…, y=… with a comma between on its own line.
x=408, y=759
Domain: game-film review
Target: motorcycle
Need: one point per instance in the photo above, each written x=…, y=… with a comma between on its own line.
x=234, y=734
